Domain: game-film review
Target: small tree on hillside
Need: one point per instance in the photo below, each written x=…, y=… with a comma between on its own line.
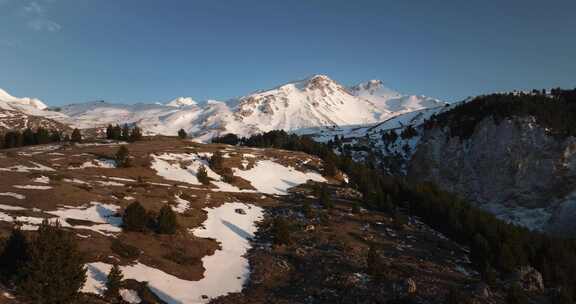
x=135, y=134
x=202, y=175
x=76, y=136
x=216, y=162
x=135, y=218
x=113, y=284
x=122, y=157
x=166, y=221
x=14, y=255
x=182, y=134
x=125, y=132
x=55, y=270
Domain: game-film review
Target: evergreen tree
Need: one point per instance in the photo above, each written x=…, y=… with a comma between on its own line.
x=122, y=157
x=76, y=136
x=117, y=132
x=55, y=271
x=125, y=132
x=166, y=221
x=55, y=136
x=182, y=134
x=14, y=254
x=135, y=134
x=113, y=284
x=202, y=175
x=42, y=136
x=135, y=218
x=28, y=137
x=216, y=162
x=109, y=132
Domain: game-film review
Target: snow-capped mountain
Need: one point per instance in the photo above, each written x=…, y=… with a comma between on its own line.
x=182, y=102
x=317, y=101
x=24, y=104
x=391, y=101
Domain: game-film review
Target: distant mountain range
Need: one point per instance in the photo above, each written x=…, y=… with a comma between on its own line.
x=317, y=101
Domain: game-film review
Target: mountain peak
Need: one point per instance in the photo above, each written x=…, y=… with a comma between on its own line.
x=10, y=101
x=182, y=102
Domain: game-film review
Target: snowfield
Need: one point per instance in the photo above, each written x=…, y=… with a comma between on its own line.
x=226, y=270
x=273, y=178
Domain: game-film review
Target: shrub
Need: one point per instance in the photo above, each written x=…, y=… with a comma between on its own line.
x=122, y=157
x=182, y=134
x=202, y=176
x=14, y=255
x=135, y=218
x=125, y=250
x=166, y=221
x=76, y=136
x=55, y=271
x=113, y=284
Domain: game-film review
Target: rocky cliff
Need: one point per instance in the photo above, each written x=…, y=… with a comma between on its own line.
x=512, y=167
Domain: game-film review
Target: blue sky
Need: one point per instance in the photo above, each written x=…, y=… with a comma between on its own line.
x=65, y=51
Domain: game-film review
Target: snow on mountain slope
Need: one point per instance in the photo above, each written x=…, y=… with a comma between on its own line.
x=316, y=101
x=389, y=100
x=182, y=102
x=9, y=102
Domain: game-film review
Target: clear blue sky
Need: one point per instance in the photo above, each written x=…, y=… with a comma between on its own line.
x=66, y=51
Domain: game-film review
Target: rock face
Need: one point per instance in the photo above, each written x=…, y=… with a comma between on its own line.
x=512, y=168
x=529, y=279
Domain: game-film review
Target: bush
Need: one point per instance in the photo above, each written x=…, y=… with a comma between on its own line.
x=166, y=222
x=125, y=250
x=202, y=176
x=122, y=157
x=135, y=218
x=76, y=136
x=113, y=284
x=182, y=134
x=14, y=254
x=55, y=271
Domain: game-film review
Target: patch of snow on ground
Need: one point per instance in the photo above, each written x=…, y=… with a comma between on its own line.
x=32, y=187
x=181, y=204
x=103, y=215
x=42, y=180
x=9, y=207
x=273, y=178
x=226, y=270
x=14, y=195
x=24, y=169
x=130, y=296
x=97, y=163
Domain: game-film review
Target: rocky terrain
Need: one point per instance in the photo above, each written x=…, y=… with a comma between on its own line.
x=328, y=249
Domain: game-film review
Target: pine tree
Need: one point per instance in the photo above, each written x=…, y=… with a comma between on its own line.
x=14, y=254
x=125, y=132
x=55, y=271
x=109, y=132
x=76, y=136
x=202, y=175
x=117, y=132
x=135, y=218
x=216, y=162
x=28, y=137
x=182, y=134
x=122, y=157
x=166, y=221
x=135, y=134
x=113, y=284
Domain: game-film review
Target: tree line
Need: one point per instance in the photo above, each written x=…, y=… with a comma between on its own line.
x=497, y=248
x=554, y=110
x=126, y=132
x=39, y=136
